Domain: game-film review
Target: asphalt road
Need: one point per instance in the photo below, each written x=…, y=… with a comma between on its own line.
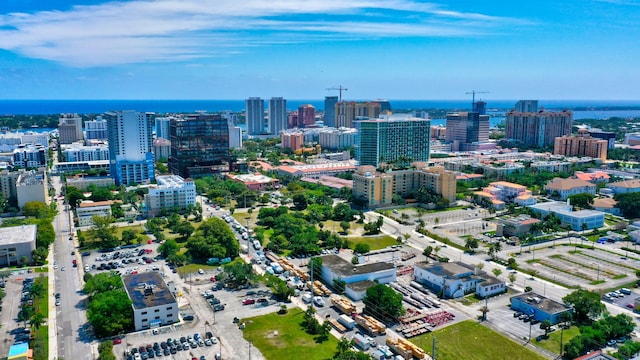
x=73, y=338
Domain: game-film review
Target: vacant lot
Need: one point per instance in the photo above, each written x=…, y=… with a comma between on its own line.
x=281, y=337
x=375, y=242
x=470, y=340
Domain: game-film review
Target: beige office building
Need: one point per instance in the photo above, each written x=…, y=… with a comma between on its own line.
x=581, y=145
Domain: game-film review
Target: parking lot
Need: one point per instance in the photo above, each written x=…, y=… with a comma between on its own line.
x=17, y=283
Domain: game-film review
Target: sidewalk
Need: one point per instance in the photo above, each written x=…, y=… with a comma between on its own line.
x=52, y=319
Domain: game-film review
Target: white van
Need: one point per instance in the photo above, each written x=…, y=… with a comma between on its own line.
x=307, y=298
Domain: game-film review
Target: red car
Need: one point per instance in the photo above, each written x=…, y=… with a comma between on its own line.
x=213, y=279
x=117, y=341
x=248, y=301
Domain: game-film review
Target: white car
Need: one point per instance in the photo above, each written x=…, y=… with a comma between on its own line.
x=318, y=301
x=200, y=271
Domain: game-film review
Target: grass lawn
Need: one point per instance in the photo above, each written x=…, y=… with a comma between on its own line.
x=553, y=342
x=242, y=218
x=43, y=302
x=375, y=242
x=281, y=337
x=469, y=300
x=470, y=340
x=193, y=268
x=40, y=344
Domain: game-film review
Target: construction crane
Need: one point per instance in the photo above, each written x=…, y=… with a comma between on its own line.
x=473, y=96
x=340, y=88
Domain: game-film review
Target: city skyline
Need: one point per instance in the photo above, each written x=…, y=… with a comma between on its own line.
x=397, y=49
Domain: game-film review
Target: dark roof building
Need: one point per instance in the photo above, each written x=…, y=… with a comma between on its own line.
x=154, y=304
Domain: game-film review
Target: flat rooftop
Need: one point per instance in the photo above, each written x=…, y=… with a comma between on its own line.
x=17, y=234
x=345, y=268
x=159, y=294
x=542, y=303
x=450, y=269
x=361, y=285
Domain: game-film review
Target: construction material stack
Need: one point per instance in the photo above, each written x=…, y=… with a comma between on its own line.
x=372, y=326
x=343, y=304
x=406, y=348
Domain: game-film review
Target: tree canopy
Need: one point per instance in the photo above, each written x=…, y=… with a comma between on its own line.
x=586, y=305
x=213, y=238
x=383, y=303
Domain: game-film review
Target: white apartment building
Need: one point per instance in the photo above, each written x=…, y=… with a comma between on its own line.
x=337, y=139
x=96, y=129
x=172, y=191
x=77, y=152
x=153, y=302
x=31, y=186
x=88, y=209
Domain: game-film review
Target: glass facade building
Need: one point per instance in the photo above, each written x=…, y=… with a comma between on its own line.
x=199, y=145
x=395, y=141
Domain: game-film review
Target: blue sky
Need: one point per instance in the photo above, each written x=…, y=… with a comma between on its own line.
x=395, y=49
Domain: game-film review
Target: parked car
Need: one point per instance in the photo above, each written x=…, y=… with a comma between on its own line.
x=248, y=301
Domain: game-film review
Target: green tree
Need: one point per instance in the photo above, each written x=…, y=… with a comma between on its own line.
x=496, y=272
x=546, y=326
x=168, y=248
x=35, y=209
x=279, y=287
x=213, y=238
x=586, y=305
x=345, y=225
x=427, y=251
x=300, y=202
x=104, y=231
x=36, y=320
x=512, y=278
x=315, y=266
x=471, y=245
x=362, y=248
x=101, y=282
x=105, y=350
x=383, y=303
x=583, y=201
x=128, y=236
x=239, y=272
x=110, y=313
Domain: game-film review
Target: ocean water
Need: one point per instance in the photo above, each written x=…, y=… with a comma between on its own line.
x=583, y=109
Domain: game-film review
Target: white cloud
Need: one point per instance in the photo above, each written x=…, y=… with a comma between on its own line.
x=169, y=30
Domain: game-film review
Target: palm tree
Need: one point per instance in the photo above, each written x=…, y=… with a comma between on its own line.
x=36, y=320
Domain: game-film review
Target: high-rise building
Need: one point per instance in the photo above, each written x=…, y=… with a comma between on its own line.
x=581, y=145
x=393, y=139
x=464, y=129
x=292, y=120
x=96, y=129
x=306, y=115
x=604, y=135
x=199, y=145
x=69, y=128
x=130, y=146
x=277, y=115
x=171, y=192
x=255, y=116
x=162, y=127
x=235, y=137
x=330, y=111
x=529, y=106
x=161, y=149
x=30, y=156
x=480, y=107
x=348, y=111
x=539, y=128
x=385, y=105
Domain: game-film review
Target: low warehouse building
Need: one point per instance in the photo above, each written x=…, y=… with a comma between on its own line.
x=17, y=244
x=540, y=307
x=358, y=278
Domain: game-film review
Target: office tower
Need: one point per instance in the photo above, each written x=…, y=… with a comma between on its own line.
x=539, y=128
x=604, y=135
x=162, y=127
x=277, y=115
x=255, y=116
x=130, y=146
x=199, y=145
x=348, y=111
x=69, y=128
x=306, y=115
x=581, y=145
x=395, y=140
x=96, y=129
x=529, y=106
x=330, y=111
x=480, y=107
x=465, y=129
x=385, y=105
x=292, y=121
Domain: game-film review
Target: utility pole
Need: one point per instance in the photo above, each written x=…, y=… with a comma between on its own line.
x=433, y=349
x=340, y=88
